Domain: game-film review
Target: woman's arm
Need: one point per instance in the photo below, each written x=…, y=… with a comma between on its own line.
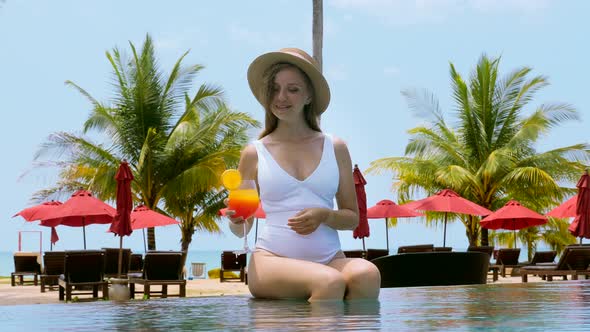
x=248, y=169
x=346, y=217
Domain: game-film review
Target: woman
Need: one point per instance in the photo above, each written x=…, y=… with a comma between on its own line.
x=299, y=171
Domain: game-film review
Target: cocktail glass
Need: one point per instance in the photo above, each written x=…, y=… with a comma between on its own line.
x=244, y=200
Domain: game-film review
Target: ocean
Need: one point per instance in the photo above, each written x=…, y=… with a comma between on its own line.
x=211, y=258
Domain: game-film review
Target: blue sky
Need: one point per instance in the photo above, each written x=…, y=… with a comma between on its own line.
x=372, y=50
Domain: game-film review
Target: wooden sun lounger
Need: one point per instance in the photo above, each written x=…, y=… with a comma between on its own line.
x=233, y=262
x=83, y=269
x=415, y=248
x=53, y=267
x=25, y=264
x=574, y=261
x=159, y=269
x=111, y=264
x=507, y=258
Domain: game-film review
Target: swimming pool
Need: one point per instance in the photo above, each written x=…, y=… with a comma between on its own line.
x=533, y=306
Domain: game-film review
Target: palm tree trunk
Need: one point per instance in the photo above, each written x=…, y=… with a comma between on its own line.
x=484, y=237
x=187, y=237
x=151, y=238
x=472, y=231
x=318, y=31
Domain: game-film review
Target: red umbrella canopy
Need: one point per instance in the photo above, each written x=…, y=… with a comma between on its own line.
x=258, y=214
x=388, y=209
x=122, y=223
x=362, y=230
x=565, y=210
x=38, y=212
x=580, y=227
x=80, y=210
x=143, y=217
x=513, y=216
x=448, y=201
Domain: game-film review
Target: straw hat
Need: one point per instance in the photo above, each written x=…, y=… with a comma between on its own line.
x=294, y=56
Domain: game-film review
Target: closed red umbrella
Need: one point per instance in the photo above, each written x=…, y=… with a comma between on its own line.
x=565, y=210
x=122, y=223
x=448, y=201
x=388, y=209
x=362, y=230
x=580, y=227
x=513, y=216
x=38, y=212
x=143, y=217
x=80, y=210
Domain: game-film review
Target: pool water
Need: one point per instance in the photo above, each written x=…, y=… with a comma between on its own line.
x=536, y=306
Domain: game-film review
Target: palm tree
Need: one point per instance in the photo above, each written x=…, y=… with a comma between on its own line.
x=318, y=31
x=490, y=155
x=176, y=146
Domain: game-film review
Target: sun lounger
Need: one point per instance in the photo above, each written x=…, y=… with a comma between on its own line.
x=507, y=258
x=160, y=269
x=25, y=264
x=376, y=253
x=541, y=257
x=111, y=264
x=53, y=267
x=355, y=253
x=433, y=269
x=234, y=263
x=574, y=261
x=415, y=248
x=489, y=250
x=136, y=263
x=83, y=269
x=447, y=249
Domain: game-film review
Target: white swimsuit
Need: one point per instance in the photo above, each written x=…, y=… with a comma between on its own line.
x=282, y=196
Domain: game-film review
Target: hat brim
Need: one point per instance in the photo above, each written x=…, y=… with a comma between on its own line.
x=262, y=63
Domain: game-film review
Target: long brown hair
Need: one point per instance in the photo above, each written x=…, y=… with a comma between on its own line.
x=309, y=111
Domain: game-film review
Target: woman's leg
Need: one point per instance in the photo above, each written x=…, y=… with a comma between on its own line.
x=362, y=277
x=275, y=277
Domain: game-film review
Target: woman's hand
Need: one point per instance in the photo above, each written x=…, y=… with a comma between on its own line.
x=307, y=221
x=229, y=214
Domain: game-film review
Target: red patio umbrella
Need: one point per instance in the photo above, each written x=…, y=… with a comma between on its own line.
x=513, y=216
x=38, y=212
x=580, y=227
x=80, y=210
x=143, y=217
x=565, y=210
x=362, y=230
x=388, y=209
x=448, y=201
x=122, y=223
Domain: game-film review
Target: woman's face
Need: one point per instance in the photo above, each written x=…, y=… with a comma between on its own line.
x=290, y=94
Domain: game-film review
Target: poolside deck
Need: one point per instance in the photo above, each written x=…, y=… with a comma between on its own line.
x=195, y=288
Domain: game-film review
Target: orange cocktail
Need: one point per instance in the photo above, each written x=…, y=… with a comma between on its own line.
x=244, y=202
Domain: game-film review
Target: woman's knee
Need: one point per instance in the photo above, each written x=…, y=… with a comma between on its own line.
x=363, y=274
x=329, y=285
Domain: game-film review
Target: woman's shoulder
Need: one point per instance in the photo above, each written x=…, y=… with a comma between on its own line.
x=249, y=151
x=338, y=142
